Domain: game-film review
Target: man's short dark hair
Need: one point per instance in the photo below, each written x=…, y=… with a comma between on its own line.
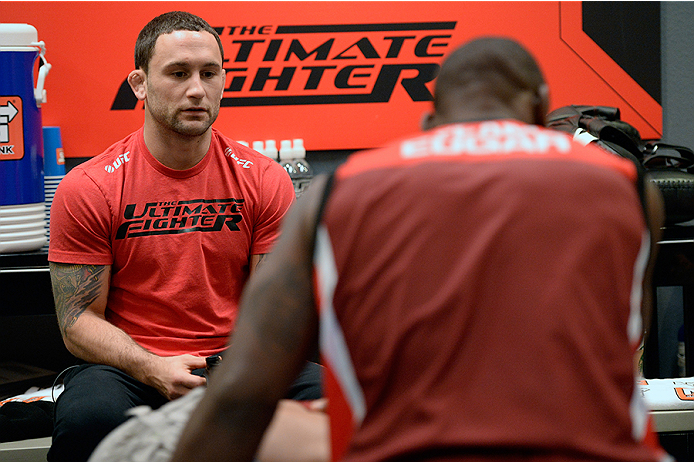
x=165, y=24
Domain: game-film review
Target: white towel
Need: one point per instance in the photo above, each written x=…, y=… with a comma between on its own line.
x=36, y=394
x=667, y=394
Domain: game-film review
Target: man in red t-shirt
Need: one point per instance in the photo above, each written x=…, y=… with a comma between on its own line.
x=153, y=241
x=476, y=290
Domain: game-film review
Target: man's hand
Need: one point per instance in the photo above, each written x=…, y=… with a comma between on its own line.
x=172, y=377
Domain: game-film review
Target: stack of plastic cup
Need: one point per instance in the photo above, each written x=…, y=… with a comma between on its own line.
x=21, y=227
x=54, y=168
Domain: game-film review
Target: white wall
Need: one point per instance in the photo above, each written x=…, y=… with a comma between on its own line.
x=677, y=61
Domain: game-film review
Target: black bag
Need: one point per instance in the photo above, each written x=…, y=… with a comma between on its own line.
x=670, y=167
x=600, y=125
x=21, y=421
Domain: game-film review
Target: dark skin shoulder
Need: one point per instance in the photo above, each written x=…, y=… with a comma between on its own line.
x=276, y=331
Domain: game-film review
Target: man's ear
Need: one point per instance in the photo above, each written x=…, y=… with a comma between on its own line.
x=136, y=80
x=542, y=105
x=428, y=121
x=224, y=83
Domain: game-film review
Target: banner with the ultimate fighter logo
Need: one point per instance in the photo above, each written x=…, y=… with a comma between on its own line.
x=340, y=75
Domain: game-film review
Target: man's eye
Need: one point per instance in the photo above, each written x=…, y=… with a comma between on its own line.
x=209, y=74
x=178, y=74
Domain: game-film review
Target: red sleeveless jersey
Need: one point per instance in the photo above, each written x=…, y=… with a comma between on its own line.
x=479, y=297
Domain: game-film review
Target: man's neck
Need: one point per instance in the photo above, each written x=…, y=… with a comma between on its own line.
x=176, y=151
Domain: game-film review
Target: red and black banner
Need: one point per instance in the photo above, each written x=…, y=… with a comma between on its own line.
x=340, y=75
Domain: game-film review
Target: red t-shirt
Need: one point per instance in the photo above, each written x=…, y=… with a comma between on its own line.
x=178, y=242
x=476, y=288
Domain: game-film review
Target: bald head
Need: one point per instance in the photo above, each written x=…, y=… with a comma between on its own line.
x=489, y=78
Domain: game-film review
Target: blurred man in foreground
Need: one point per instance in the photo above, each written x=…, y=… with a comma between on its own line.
x=477, y=296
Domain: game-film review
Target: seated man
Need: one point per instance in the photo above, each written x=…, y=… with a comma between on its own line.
x=152, y=241
x=478, y=291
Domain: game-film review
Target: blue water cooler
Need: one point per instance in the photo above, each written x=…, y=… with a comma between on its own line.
x=22, y=206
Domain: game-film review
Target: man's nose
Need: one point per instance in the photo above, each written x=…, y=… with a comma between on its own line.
x=195, y=87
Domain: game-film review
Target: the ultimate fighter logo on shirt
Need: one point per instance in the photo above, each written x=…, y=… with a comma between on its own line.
x=177, y=217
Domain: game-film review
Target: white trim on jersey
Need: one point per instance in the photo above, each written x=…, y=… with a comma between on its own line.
x=331, y=338
x=637, y=407
x=635, y=324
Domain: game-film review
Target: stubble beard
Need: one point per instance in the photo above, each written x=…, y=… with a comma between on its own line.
x=174, y=121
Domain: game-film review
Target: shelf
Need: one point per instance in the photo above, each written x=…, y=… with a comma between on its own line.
x=37, y=260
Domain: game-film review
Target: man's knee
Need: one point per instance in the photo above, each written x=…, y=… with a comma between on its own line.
x=308, y=385
x=94, y=396
x=93, y=403
x=86, y=413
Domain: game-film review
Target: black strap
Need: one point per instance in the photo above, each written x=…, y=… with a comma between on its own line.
x=668, y=156
x=321, y=208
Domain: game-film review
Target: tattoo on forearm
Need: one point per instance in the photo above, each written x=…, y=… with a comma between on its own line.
x=75, y=287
